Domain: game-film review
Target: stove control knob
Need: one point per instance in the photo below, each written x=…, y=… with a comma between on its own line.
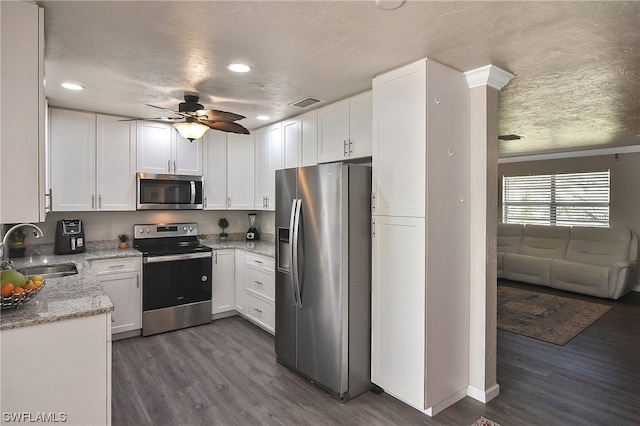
x=141, y=230
x=191, y=229
x=148, y=230
x=184, y=228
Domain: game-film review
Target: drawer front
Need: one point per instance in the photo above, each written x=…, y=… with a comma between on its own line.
x=261, y=312
x=260, y=262
x=111, y=266
x=261, y=282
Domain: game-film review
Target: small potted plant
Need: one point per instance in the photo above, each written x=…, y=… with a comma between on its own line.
x=202, y=236
x=223, y=223
x=123, y=241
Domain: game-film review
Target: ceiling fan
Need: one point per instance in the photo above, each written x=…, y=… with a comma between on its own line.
x=198, y=120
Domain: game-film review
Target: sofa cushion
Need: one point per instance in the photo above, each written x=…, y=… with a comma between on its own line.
x=530, y=269
x=509, y=237
x=598, y=246
x=545, y=241
x=582, y=278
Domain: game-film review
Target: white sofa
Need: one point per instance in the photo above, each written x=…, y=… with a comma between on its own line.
x=589, y=260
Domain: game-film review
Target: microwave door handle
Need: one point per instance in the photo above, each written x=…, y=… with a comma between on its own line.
x=193, y=192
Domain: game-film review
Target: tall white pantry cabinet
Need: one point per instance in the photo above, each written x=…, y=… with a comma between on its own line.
x=420, y=289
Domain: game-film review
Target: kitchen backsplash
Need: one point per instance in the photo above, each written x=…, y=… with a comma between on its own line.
x=105, y=226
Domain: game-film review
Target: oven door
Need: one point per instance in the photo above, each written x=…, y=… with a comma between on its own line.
x=174, y=280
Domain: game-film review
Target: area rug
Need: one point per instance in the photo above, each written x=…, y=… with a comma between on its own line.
x=545, y=317
x=485, y=422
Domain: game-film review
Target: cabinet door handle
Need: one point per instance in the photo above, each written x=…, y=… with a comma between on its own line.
x=258, y=282
x=344, y=148
x=137, y=280
x=48, y=208
x=205, y=202
x=93, y=202
x=116, y=266
x=258, y=310
x=174, y=166
x=258, y=261
x=350, y=150
x=228, y=202
x=215, y=257
x=168, y=166
x=99, y=202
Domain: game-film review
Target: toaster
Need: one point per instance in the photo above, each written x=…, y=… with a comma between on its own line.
x=69, y=236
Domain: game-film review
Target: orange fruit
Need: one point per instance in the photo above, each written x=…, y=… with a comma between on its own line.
x=18, y=292
x=7, y=289
x=30, y=287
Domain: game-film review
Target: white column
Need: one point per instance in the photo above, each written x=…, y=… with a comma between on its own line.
x=484, y=83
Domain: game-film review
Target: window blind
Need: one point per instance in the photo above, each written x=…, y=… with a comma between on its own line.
x=557, y=199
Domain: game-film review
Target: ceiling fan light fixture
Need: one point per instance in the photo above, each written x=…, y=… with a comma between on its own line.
x=191, y=130
x=239, y=68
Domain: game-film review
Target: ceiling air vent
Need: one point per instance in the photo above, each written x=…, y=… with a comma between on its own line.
x=306, y=102
x=510, y=137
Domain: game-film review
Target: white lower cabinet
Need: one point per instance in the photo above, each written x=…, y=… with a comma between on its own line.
x=122, y=281
x=60, y=369
x=223, y=297
x=259, y=282
x=240, y=289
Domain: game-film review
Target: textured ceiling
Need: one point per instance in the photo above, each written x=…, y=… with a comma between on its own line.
x=577, y=64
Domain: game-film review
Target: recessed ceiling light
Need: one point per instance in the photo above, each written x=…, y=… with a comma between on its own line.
x=72, y=86
x=263, y=117
x=238, y=67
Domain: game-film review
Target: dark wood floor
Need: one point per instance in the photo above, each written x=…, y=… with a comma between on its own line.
x=225, y=373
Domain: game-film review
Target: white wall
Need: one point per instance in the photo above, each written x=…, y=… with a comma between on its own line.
x=101, y=226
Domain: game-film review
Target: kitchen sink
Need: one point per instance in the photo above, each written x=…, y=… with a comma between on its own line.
x=50, y=271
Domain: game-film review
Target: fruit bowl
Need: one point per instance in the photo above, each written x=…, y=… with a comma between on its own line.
x=16, y=299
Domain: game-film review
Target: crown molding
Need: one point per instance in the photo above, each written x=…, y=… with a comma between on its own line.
x=489, y=75
x=570, y=154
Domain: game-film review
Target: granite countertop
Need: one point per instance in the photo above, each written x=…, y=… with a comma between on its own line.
x=82, y=295
x=67, y=297
x=264, y=248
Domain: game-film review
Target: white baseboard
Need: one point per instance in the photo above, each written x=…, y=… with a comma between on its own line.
x=445, y=403
x=481, y=395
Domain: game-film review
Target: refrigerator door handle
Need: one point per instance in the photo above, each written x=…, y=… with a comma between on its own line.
x=294, y=258
x=293, y=247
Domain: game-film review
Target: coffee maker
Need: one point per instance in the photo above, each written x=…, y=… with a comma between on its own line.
x=69, y=236
x=252, y=233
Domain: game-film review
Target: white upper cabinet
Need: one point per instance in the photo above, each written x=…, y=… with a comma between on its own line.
x=215, y=170
x=240, y=172
x=115, y=164
x=309, y=138
x=399, y=142
x=187, y=155
x=22, y=165
x=344, y=129
x=161, y=150
x=92, y=162
x=300, y=140
x=268, y=159
x=291, y=143
x=73, y=160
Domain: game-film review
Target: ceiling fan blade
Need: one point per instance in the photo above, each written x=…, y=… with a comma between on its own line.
x=215, y=115
x=181, y=114
x=226, y=126
x=153, y=118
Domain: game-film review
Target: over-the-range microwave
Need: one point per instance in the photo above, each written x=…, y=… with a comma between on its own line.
x=169, y=192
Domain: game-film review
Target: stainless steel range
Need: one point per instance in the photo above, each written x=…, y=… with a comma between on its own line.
x=176, y=272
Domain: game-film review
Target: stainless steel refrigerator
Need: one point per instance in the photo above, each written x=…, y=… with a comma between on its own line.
x=323, y=275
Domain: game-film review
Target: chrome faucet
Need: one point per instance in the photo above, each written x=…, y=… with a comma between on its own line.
x=5, y=251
